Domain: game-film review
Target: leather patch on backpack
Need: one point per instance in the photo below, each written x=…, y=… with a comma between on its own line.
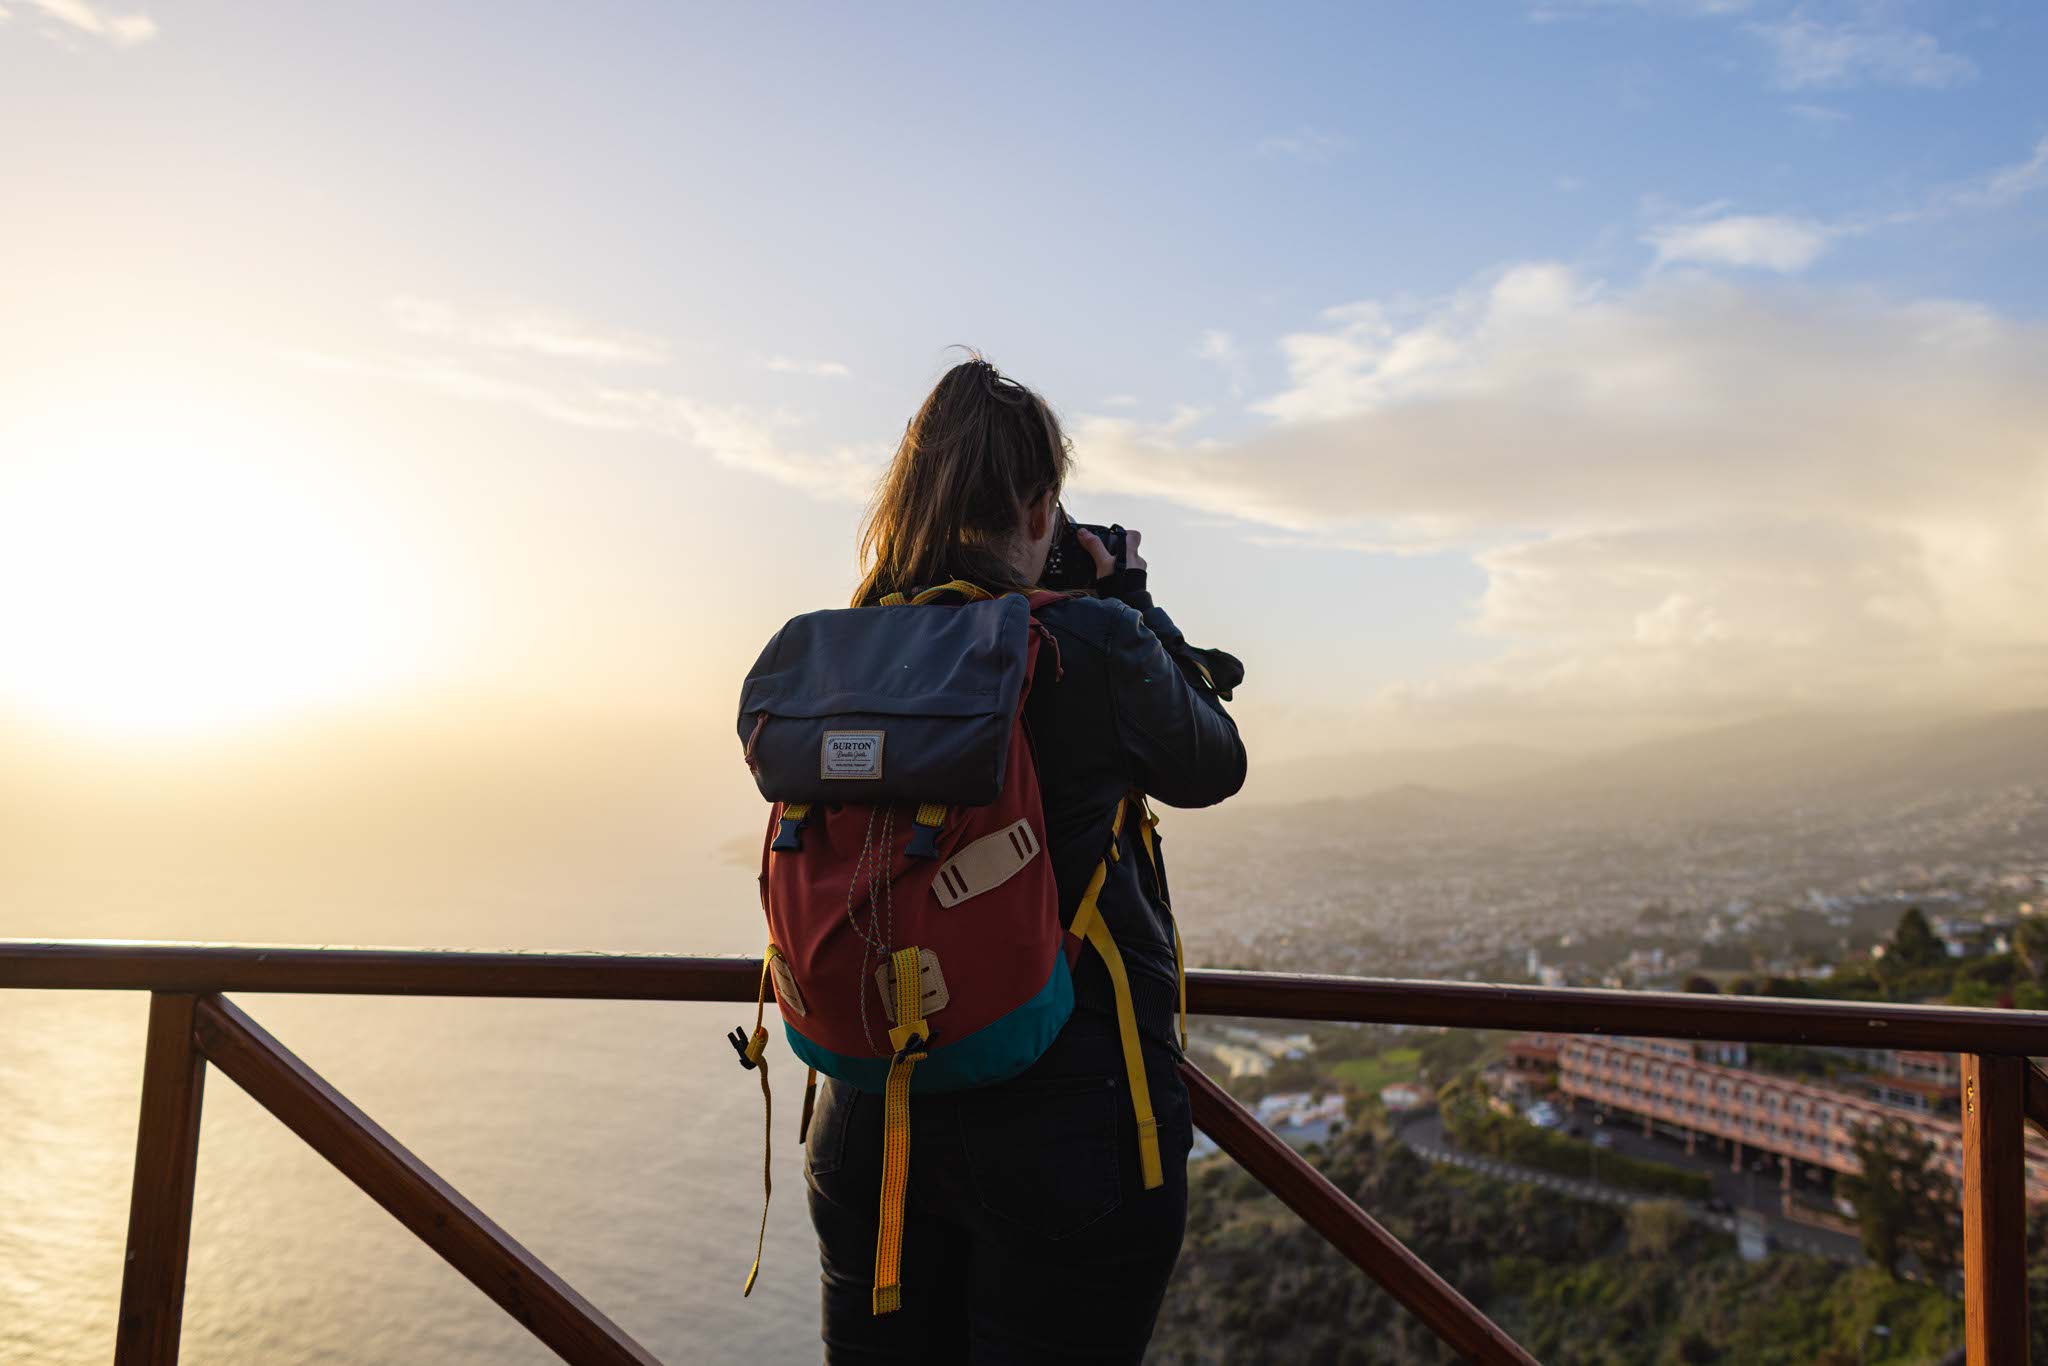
x=986, y=864
x=935, y=993
x=785, y=985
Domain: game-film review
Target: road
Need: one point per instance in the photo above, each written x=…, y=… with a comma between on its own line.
x=1741, y=1190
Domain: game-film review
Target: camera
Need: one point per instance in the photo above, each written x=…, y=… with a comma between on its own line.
x=1069, y=565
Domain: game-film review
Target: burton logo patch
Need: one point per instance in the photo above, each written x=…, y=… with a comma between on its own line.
x=851, y=754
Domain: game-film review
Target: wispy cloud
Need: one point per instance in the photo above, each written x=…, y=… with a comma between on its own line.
x=1555, y=10
x=1303, y=144
x=122, y=30
x=732, y=435
x=2001, y=187
x=825, y=369
x=535, y=333
x=1812, y=55
x=1761, y=241
x=1818, y=113
x=1221, y=349
x=1691, y=497
x=1789, y=243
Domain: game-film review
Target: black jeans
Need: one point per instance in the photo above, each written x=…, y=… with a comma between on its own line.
x=1028, y=1235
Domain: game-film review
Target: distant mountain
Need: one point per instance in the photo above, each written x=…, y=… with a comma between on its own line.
x=1463, y=768
x=1762, y=763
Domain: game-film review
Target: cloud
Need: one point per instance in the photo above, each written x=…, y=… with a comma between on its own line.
x=1810, y=54
x=122, y=30
x=732, y=435
x=1221, y=349
x=2001, y=187
x=1770, y=242
x=535, y=333
x=826, y=369
x=1686, y=9
x=1691, y=498
x=1788, y=243
x=1303, y=144
x=1818, y=114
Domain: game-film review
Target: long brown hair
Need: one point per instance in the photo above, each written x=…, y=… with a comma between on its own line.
x=981, y=449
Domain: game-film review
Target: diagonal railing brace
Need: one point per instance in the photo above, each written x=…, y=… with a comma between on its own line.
x=428, y=1206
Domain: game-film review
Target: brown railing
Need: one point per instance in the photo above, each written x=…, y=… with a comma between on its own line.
x=191, y=1024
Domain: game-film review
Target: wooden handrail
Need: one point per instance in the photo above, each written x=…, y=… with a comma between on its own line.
x=1352, y=1231
x=2037, y=1098
x=189, y=1020
x=201, y=968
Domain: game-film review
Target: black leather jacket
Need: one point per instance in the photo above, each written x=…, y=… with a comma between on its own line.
x=1125, y=707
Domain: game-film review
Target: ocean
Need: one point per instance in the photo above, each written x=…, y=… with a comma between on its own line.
x=620, y=1142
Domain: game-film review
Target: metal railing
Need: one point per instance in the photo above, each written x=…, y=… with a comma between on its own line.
x=191, y=1024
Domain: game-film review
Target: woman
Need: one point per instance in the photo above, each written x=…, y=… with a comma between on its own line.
x=1029, y=1236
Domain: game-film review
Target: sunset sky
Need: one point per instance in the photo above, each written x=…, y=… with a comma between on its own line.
x=1561, y=372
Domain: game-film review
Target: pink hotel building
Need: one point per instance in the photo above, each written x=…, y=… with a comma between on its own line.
x=1694, y=1090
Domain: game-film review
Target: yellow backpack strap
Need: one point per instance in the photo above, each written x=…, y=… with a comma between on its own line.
x=1148, y=820
x=1180, y=975
x=908, y=1039
x=924, y=830
x=803, y=1122
x=1089, y=927
x=753, y=1051
x=893, y=600
x=973, y=592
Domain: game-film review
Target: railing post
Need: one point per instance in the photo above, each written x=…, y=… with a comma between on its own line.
x=1994, y=1210
x=160, y=1204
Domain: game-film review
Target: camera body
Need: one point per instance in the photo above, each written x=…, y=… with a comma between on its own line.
x=1069, y=566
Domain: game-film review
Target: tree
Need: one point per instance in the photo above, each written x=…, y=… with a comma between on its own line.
x=1914, y=944
x=2030, y=945
x=1903, y=1203
x=1701, y=985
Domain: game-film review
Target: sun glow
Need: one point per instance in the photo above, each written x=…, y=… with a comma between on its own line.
x=168, y=569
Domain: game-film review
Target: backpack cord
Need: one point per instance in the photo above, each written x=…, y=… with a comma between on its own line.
x=755, y=1055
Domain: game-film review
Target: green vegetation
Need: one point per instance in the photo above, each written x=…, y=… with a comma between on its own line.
x=1477, y=1128
x=1577, y=1283
x=1902, y=1202
x=1370, y=1074
x=1916, y=967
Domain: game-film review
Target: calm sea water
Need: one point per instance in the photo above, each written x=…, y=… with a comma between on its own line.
x=620, y=1142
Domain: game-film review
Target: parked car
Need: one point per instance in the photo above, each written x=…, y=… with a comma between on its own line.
x=1603, y=1139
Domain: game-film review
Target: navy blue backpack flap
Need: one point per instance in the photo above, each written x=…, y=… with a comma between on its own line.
x=887, y=704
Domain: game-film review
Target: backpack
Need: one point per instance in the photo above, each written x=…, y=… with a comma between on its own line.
x=914, y=936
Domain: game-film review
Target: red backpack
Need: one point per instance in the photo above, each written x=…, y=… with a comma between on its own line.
x=914, y=934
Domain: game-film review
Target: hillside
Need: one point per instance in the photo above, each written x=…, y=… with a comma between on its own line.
x=1573, y=1282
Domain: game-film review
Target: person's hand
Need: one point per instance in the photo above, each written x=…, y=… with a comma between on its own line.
x=1105, y=563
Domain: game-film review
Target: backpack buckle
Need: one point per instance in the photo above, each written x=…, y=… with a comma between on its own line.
x=914, y=1046
x=924, y=832
x=748, y=1046
x=788, y=827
